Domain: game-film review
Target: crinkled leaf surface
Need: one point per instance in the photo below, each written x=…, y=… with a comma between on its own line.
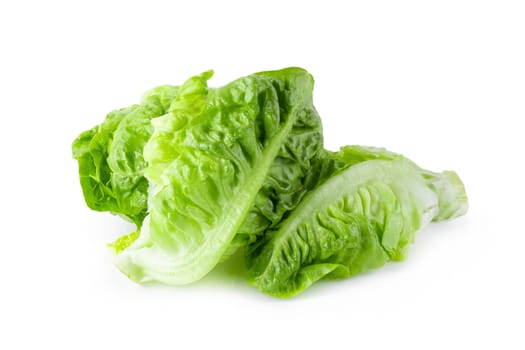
x=224, y=164
x=110, y=159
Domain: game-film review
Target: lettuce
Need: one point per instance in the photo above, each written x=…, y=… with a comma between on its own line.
x=363, y=215
x=204, y=172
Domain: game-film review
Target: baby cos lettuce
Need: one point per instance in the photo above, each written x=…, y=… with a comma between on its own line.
x=223, y=165
x=366, y=213
x=204, y=171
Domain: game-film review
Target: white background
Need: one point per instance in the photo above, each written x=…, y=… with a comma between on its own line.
x=442, y=82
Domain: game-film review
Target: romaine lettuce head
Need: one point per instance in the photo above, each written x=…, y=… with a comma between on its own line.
x=359, y=217
x=223, y=165
x=110, y=160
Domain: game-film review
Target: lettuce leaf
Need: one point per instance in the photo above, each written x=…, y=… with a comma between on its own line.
x=223, y=165
x=361, y=216
x=110, y=160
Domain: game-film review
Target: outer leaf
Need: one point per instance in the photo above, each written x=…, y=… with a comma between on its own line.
x=110, y=158
x=359, y=218
x=223, y=161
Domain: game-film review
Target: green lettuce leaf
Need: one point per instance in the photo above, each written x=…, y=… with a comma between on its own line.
x=224, y=165
x=359, y=217
x=110, y=160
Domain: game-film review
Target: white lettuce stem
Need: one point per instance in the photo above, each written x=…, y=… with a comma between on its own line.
x=452, y=197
